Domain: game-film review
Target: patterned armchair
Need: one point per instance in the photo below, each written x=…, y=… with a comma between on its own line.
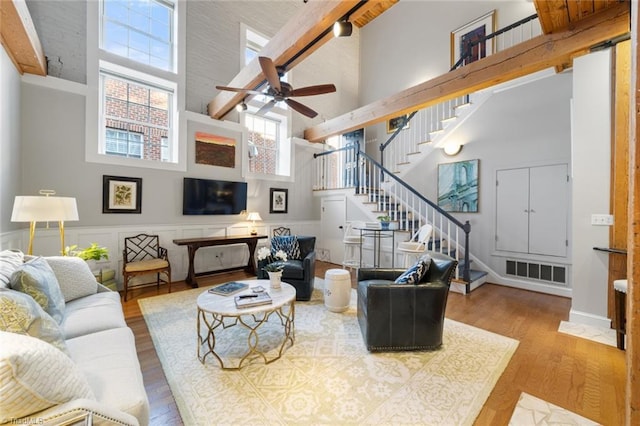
x=300, y=266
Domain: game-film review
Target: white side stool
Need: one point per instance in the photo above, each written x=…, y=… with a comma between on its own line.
x=620, y=287
x=337, y=290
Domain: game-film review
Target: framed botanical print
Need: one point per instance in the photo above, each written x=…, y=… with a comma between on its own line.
x=279, y=200
x=121, y=194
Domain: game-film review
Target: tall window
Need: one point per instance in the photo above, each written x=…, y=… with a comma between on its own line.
x=140, y=30
x=136, y=74
x=269, y=148
x=138, y=110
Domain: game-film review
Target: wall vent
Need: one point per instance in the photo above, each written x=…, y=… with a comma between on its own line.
x=553, y=274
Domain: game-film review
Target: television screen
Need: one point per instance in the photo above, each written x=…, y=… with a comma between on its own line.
x=209, y=197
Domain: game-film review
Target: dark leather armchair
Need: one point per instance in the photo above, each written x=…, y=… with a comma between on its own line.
x=300, y=272
x=400, y=317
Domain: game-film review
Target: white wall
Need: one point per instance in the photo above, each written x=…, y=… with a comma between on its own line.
x=591, y=151
x=10, y=170
x=410, y=44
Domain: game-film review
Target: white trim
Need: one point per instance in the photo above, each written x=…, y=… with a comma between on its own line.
x=579, y=317
x=205, y=119
x=55, y=83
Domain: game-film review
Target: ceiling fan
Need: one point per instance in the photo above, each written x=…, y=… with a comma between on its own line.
x=281, y=91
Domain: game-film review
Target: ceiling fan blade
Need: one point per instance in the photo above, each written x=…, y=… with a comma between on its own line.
x=270, y=72
x=302, y=109
x=313, y=90
x=266, y=107
x=237, y=89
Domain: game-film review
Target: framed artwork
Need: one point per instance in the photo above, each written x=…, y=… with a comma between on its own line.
x=458, y=186
x=465, y=41
x=215, y=150
x=279, y=199
x=395, y=122
x=121, y=194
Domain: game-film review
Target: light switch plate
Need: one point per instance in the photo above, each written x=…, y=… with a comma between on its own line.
x=602, y=219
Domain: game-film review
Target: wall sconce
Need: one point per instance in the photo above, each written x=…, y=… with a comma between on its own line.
x=241, y=107
x=45, y=208
x=253, y=216
x=452, y=148
x=342, y=29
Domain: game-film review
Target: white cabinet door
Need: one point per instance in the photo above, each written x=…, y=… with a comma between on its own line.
x=548, y=207
x=512, y=210
x=531, y=210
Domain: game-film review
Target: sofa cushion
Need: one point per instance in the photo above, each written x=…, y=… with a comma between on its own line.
x=89, y=314
x=10, y=260
x=34, y=376
x=37, y=279
x=416, y=272
x=109, y=361
x=20, y=314
x=288, y=244
x=74, y=276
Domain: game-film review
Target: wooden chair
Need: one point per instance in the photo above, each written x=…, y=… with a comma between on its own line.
x=143, y=254
x=281, y=230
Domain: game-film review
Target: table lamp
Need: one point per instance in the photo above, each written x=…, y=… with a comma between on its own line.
x=44, y=208
x=253, y=216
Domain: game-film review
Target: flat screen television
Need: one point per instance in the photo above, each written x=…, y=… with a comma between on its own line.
x=211, y=197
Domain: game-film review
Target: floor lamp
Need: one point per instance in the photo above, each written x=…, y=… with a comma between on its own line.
x=45, y=208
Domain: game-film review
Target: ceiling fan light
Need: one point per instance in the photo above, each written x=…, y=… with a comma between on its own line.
x=342, y=29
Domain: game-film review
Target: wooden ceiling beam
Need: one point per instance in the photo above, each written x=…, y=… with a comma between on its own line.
x=19, y=36
x=298, y=34
x=526, y=58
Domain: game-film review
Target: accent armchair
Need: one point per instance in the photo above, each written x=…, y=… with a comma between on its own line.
x=401, y=317
x=299, y=269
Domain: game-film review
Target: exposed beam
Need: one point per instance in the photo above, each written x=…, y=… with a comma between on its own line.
x=526, y=58
x=19, y=36
x=313, y=18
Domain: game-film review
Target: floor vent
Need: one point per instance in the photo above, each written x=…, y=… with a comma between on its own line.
x=553, y=274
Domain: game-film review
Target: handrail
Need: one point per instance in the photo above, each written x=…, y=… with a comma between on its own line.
x=465, y=226
x=393, y=196
x=490, y=36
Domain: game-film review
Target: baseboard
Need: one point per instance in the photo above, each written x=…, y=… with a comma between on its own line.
x=588, y=319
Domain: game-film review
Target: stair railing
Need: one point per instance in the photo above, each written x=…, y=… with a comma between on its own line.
x=387, y=194
x=420, y=127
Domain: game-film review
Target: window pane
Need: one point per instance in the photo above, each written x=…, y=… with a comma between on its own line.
x=137, y=119
x=139, y=30
x=266, y=161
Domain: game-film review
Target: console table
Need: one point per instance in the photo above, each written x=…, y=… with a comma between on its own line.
x=193, y=244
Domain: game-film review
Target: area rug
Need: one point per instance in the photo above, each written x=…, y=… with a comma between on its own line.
x=327, y=376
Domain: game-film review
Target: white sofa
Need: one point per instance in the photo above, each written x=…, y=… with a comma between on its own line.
x=98, y=359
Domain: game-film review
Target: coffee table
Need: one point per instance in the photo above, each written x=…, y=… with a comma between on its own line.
x=217, y=313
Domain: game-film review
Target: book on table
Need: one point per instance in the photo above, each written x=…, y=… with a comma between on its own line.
x=227, y=289
x=253, y=299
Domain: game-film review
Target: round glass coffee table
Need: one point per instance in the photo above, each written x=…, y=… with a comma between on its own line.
x=217, y=313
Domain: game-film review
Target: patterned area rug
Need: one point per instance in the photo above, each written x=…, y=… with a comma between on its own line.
x=327, y=376
x=532, y=411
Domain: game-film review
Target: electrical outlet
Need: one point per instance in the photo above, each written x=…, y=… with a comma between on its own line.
x=602, y=219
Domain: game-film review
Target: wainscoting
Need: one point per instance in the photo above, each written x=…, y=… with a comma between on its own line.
x=47, y=242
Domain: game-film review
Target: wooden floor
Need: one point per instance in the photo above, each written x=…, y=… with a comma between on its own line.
x=585, y=377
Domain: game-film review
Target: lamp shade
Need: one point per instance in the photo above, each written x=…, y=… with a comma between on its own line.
x=254, y=216
x=44, y=209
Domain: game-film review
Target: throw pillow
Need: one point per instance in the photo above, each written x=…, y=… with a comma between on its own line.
x=415, y=273
x=35, y=376
x=288, y=244
x=20, y=314
x=36, y=278
x=10, y=260
x=74, y=276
